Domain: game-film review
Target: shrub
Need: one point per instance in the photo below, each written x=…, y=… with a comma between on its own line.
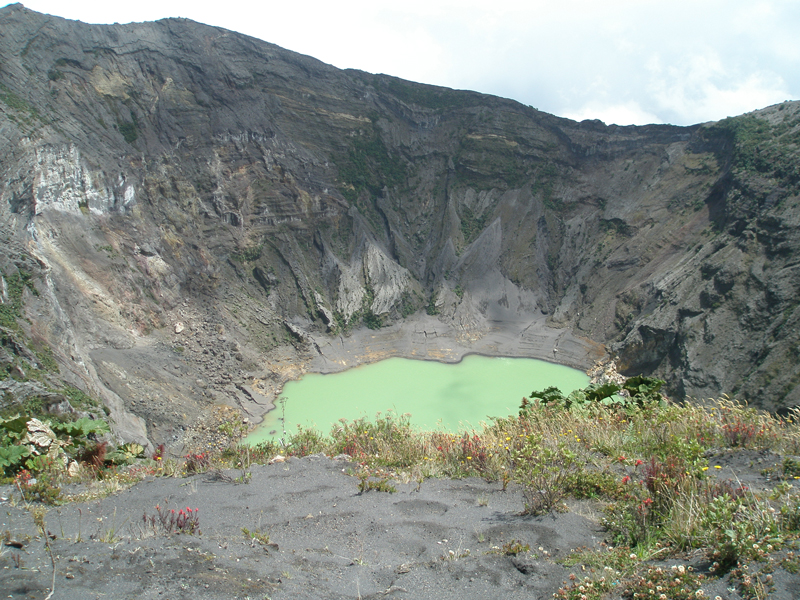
x=305, y=442
x=583, y=483
x=676, y=583
x=389, y=440
x=543, y=472
x=646, y=504
x=514, y=547
x=635, y=393
x=738, y=528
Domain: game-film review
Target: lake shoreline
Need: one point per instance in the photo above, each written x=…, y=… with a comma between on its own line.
x=425, y=338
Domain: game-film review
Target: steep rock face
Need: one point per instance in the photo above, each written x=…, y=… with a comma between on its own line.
x=171, y=173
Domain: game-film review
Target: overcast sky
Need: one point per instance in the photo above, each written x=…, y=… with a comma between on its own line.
x=621, y=61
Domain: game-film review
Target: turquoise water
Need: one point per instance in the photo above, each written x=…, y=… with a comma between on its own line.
x=437, y=395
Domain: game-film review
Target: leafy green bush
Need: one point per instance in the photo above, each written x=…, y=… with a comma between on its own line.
x=543, y=470
x=738, y=528
x=126, y=454
x=305, y=442
x=584, y=483
x=374, y=480
x=636, y=393
x=372, y=321
x=27, y=442
x=385, y=440
x=129, y=130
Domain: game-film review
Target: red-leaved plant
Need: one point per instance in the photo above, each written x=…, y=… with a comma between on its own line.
x=168, y=521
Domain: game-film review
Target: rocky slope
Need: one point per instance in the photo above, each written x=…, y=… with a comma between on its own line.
x=190, y=216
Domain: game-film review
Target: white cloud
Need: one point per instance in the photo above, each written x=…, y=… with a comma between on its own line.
x=702, y=85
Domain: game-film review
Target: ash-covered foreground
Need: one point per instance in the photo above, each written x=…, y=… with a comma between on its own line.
x=311, y=535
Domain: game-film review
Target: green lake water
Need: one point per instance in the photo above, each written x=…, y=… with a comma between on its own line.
x=437, y=395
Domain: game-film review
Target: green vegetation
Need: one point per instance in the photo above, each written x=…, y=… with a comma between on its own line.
x=248, y=254
x=642, y=458
x=45, y=448
x=636, y=392
x=544, y=182
x=368, y=167
x=377, y=480
x=472, y=226
x=12, y=310
x=759, y=147
x=431, y=307
x=13, y=101
x=371, y=320
x=408, y=305
x=129, y=129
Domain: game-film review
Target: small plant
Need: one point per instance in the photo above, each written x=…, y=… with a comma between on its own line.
x=585, y=483
x=790, y=514
x=791, y=467
x=304, y=442
x=243, y=464
x=94, y=455
x=678, y=582
x=126, y=454
x=586, y=588
x=158, y=455
x=256, y=536
x=474, y=452
x=739, y=434
x=513, y=548
x=235, y=429
x=167, y=522
x=791, y=562
x=197, y=463
x=456, y=554
x=739, y=529
x=38, y=514
x=374, y=481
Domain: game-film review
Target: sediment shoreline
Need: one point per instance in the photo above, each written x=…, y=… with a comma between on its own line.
x=423, y=337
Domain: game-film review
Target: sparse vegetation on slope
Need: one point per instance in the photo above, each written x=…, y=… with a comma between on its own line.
x=652, y=465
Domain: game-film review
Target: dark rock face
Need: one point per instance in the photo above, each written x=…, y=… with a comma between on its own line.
x=190, y=201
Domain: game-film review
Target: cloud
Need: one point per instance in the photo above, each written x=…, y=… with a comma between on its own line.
x=702, y=85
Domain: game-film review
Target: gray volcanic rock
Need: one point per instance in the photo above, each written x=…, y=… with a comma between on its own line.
x=194, y=205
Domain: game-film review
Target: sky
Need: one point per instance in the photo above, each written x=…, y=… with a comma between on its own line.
x=620, y=61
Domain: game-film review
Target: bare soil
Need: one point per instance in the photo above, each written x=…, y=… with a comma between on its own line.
x=314, y=536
